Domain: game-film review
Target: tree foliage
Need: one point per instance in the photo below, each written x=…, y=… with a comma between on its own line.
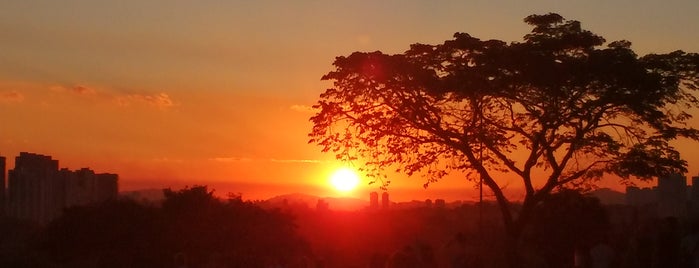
x=566, y=221
x=191, y=228
x=556, y=109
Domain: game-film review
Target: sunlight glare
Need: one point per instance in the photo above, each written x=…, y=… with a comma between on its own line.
x=344, y=179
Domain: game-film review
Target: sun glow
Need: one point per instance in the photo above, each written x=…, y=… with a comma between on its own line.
x=344, y=179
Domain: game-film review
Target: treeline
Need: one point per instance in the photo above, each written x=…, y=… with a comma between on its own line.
x=429, y=237
x=194, y=228
x=191, y=228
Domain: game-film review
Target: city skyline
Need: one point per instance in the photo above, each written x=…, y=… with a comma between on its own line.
x=219, y=94
x=38, y=189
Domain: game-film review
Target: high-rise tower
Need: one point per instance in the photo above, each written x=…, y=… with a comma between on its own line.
x=3, y=171
x=374, y=200
x=37, y=190
x=672, y=196
x=32, y=188
x=385, y=202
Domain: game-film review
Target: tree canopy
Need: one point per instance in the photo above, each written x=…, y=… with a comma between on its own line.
x=192, y=227
x=556, y=109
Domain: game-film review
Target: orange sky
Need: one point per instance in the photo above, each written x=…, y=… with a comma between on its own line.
x=173, y=93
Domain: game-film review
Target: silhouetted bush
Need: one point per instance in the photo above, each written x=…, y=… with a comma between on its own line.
x=563, y=222
x=193, y=227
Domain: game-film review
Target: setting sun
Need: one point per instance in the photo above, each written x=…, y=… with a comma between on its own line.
x=344, y=179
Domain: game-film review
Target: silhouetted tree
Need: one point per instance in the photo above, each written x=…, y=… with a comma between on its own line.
x=556, y=109
x=193, y=228
x=119, y=233
x=232, y=232
x=565, y=221
x=16, y=238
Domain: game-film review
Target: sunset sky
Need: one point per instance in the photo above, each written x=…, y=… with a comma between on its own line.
x=174, y=93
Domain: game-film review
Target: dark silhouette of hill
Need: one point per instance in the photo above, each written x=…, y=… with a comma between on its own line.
x=156, y=196
x=609, y=197
x=293, y=199
x=310, y=201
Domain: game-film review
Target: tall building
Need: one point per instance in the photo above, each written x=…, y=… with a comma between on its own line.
x=672, y=195
x=640, y=196
x=373, y=200
x=33, y=189
x=440, y=203
x=322, y=205
x=39, y=191
x=2, y=184
x=695, y=189
x=84, y=187
x=385, y=202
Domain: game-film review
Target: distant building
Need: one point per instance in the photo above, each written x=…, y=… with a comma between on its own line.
x=428, y=203
x=84, y=187
x=694, y=195
x=373, y=200
x=672, y=196
x=37, y=190
x=694, y=192
x=385, y=202
x=440, y=203
x=2, y=184
x=32, y=190
x=322, y=205
x=640, y=196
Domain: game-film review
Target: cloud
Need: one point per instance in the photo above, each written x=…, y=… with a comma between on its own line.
x=231, y=159
x=160, y=100
x=82, y=90
x=273, y=160
x=11, y=96
x=302, y=108
x=78, y=90
x=305, y=161
x=167, y=160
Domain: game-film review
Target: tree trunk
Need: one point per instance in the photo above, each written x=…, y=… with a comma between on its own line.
x=514, y=229
x=512, y=251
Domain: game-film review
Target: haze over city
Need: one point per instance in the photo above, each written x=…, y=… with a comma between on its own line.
x=388, y=134
x=219, y=94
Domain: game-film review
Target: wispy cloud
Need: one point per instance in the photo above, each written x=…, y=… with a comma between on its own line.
x=231, y=159
x=273, y=160
x=167, y=160
x=79, y=90
x=11, y=96
x=83, y=90
x=301, y=108
x=305, y=161
x=160, y=100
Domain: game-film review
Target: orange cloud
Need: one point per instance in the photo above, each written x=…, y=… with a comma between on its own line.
x=231, y=159
x=79, y=90
x=301, y=108
x=273, y=160
x=167, y=160
x=83, y=90
x=306, y=161
x=11, y=96
x=160, y=100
